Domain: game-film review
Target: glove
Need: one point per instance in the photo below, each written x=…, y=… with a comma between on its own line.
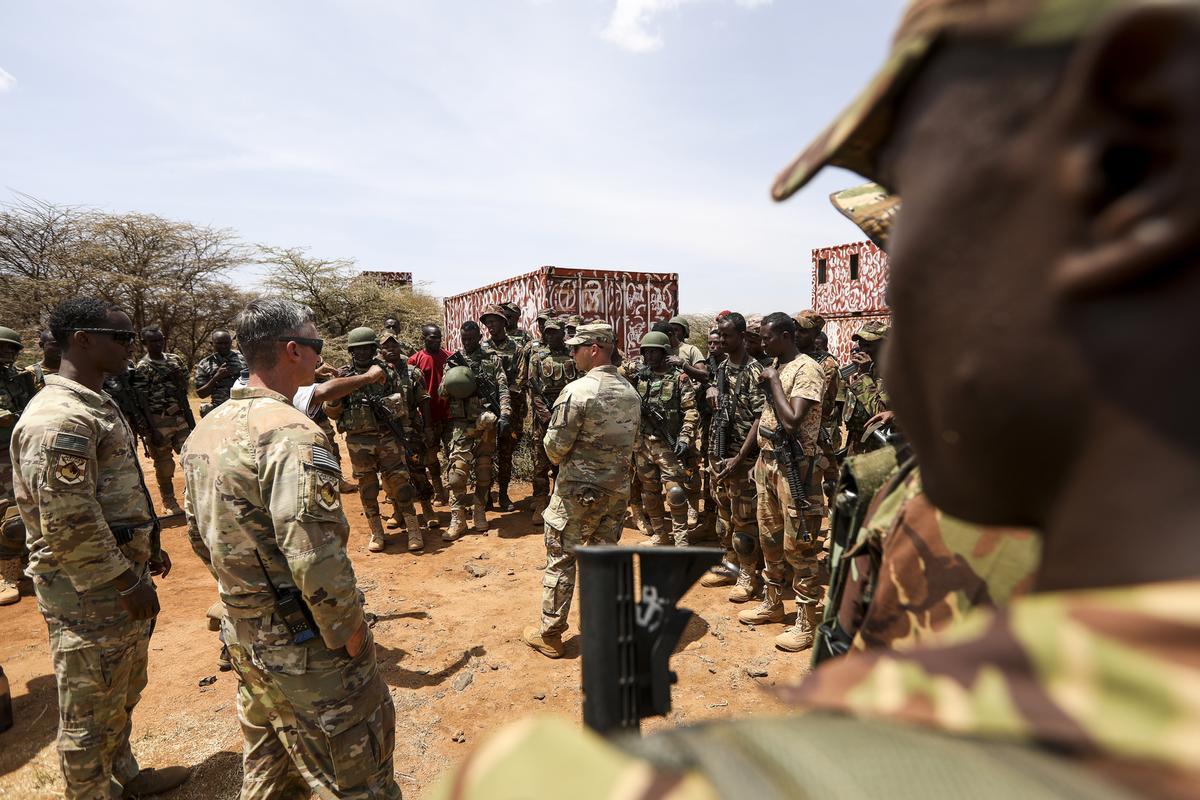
x=504, y=426
x=682, y=446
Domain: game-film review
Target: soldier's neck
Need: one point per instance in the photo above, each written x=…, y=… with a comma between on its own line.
x=788, y=357
x=88, y=375
x=738, y=357
x=48, y=364
x=276, y=380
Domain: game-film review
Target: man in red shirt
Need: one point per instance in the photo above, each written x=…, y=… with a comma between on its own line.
x=431, y=360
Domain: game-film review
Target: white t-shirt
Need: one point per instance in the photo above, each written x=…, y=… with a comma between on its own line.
x=302, y=401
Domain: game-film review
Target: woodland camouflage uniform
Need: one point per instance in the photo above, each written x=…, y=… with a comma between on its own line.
x=661, y=472
x=473, y=440
x=161, y=383
x=410, y=386
x=207, y=368
x=16, y=390
x=509, y=353
x=548, y=374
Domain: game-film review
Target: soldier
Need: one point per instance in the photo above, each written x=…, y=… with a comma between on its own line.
x=530, y=348
x=93, y=546
x=431, y=361
x=265, y=516
x=789, y=526
x=684, y=354
x=830, y=423
x=16, y=390
x=51, y=358
x=508, y=351
x=419, y=434
x=161, y=379
x=754, y=344
x=324, y=374
x=865, y=395
x=551, y=368
x=572, y=324
x=392, y=325
x=669, y=422
x=737, y=399
x=512, y=319
x=120, y=387
x=479, y=411
x=216, y=373
x=591, y=436
x=376, y=452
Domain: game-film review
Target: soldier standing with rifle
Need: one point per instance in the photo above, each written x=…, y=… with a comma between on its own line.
x=372, y=420
x=16, y=390
x=830, y=424
x=216, y=373
x=865, y=394
x=508, y=350
x=551, y=368
x=161, y=380
x=419, y=437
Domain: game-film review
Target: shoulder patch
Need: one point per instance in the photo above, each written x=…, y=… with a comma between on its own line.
x=323, y=459
x=72, y=443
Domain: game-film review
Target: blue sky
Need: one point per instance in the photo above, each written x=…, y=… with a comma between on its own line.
x=464, y=141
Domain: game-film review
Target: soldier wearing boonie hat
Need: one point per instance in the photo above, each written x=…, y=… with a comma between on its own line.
x=551, y=368
x=497, y=319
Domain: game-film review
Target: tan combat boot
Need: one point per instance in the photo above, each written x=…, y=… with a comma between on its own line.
x=748, y=585
x=639, y=520
x=376, y=544
x=416, y=539
x=151, y=781
x=429, y=517
x=548, y=645
x=458, y=525
x=10, y=581
x=799, y=636
x=479, y=520
x=769, y=610
x=171, y=506
x=724, y=574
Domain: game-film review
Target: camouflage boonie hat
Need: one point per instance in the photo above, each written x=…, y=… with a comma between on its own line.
x=492, y=311
x=553, y=323
x=510, y=309
x=853, y=139
x=871, y=208
x=595, y=333
x=871, y=332
x=809, y=320
x=545, y=313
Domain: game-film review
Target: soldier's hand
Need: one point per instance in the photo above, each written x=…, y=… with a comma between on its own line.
x=767, y=374
x=222, y=373
x=141, y=603
x=162, y=567
x=504, y=426
x=882, y=418
x=724, y=468
x=357, y=641
x=682, y=446
x=674, y=361
x=860, y=357
x=711, y=395
x=377, y=374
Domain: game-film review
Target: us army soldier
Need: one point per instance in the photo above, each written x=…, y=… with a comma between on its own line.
x=265, y=516
x=162, y=379
x=593, y=426
x=93, y=544
x=551, y=368
x=216, y=373
x=16, y=390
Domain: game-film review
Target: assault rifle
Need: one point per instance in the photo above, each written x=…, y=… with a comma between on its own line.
x=385, y=415
x=181, y=397
x=488, y=391
x=789, y=455
x=721, y=419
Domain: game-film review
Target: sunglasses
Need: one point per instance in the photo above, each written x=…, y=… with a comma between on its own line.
x=118, y=336
x=315, y=344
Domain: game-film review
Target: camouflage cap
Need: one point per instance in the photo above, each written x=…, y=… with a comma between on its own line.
x=510, y=309
x=492, y=311
x=871, y=332
x=574, y=321
x=545, y=313
x=809, y=320
x=871, y=208
x=595, y=333
x=554, y=323
x=752, y=323
x=853, y=139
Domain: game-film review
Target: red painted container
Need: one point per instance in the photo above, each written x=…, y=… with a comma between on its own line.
x=849, y=289
x=630, y=301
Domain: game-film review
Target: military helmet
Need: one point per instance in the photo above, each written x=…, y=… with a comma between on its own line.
x=459, y=382
x=683, y=323
x=11, y=336
x=655, y=339
x=361, y=336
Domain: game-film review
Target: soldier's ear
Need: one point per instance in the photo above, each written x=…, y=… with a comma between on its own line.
x=1128, y=117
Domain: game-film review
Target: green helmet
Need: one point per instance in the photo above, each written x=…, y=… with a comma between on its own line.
x=361, y=336
x=11, y=336
x=683, y=323
x=656, y=339
x=459, y=382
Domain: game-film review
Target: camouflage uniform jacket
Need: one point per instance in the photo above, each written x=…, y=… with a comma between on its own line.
x=743, y=395
x=162, y=383
x=208, y=367
x=39, y=374
x=509, y=354
x=353, y=414
x=549, y=373
x=481, y=362
x=865, y=397
x=674, y=393
x=801, y=377
x=833, y=389
x=79, y=486
x=260, y=477
x=529, y=351
x=16, y=390
x=593, y=428
x=124, y=393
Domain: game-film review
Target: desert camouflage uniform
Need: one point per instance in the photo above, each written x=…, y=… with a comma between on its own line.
x=509, y=354
x=374, y=450
x=865, y=397
x=39, y=374
x=160, y=383
x=831, y=430
x=16, y=390
x=208, y=367
x=88, y=516
x=549, y=373
x=260, y=480
x=591, y=437
x=660, y=471
x=473, y=433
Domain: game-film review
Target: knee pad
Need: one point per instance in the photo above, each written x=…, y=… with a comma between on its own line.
x=744, y=544
x=677, y=496
x=404, y=493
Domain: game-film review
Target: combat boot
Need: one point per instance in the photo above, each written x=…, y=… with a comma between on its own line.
x=639, y=520
x=769, y=610
x=394, y=522
x=799, y=636
x=721, y=575
x=10, y=581
x=503, y=502
x=748, y=585
x=224, y=663
x=479, y=520
x=458, y=525
x=171, y=506
x=536, y=506
x=429, y=516
x=548, y=645
x=416, y=541
x=376, y=544
x=151, y=781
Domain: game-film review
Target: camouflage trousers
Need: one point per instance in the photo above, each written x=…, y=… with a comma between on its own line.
x=578, y=514
x=99, y=657
x=380, y=455
x=543, y=469
x=506, y=445
x=737, y=509
x=174, y=431
x=12, y=529
x=472, y=447
x=312, y=719
x=662, y=473
x=417, y=458
x=779, y=529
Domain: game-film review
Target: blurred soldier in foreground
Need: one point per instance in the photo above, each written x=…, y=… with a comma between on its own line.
x=1058, y=144
x=48, y=365
x=161, y=379
x=508, y=351
x=216, y=373
x=592, y=429
x=93, y=546
x=551, y=368
x=265, y=516
x=16, y=390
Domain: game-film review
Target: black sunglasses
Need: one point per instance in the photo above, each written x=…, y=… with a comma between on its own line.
x=118, y=336
x=315, y=344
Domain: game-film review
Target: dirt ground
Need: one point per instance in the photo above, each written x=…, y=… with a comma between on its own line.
x=448, y=646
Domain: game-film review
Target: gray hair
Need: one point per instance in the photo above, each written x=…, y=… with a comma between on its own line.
x=261, y=323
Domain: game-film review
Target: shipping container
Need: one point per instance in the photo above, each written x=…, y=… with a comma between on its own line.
x=849, y=289
x=630, y=301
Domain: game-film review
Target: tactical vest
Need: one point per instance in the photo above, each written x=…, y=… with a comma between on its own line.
x=358, y=418
x=554, y=372
x=661, y=390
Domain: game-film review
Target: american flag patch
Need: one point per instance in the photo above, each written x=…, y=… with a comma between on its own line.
x=72, y=443
x=323, y=459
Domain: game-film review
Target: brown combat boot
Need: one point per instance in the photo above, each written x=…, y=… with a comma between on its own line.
x=720, y=575
x=10, y=581
x=416, y=539
x=748, y=585
x=550, y=646
x=171, y=506
x=769, y=610
x=799, y=636
x=458, y=525
x=376, y=544
x=429, y=517
x=479, y=520
x=639, y=520
x=151, y=781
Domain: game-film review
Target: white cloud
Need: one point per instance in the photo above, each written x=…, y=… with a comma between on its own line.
x=7, y=81
x=632, y=23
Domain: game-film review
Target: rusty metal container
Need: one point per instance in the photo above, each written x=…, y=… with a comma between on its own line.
x=849, y=289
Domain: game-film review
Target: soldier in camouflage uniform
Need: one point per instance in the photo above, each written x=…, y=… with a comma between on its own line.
x=789, y=528
x=865, y=394
x=551, y=368
x=16, y=390
x=375, y=451
x=665, y=455
x=593, y=426
x=93, y=545
x=161, y=379
x=476, y=420
x=830, y=423
x=531, y=348
x=216, y=373
x=736, y=396
x=508, y=350
x=51, y=358
x=418, y=427
x=265, y=516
